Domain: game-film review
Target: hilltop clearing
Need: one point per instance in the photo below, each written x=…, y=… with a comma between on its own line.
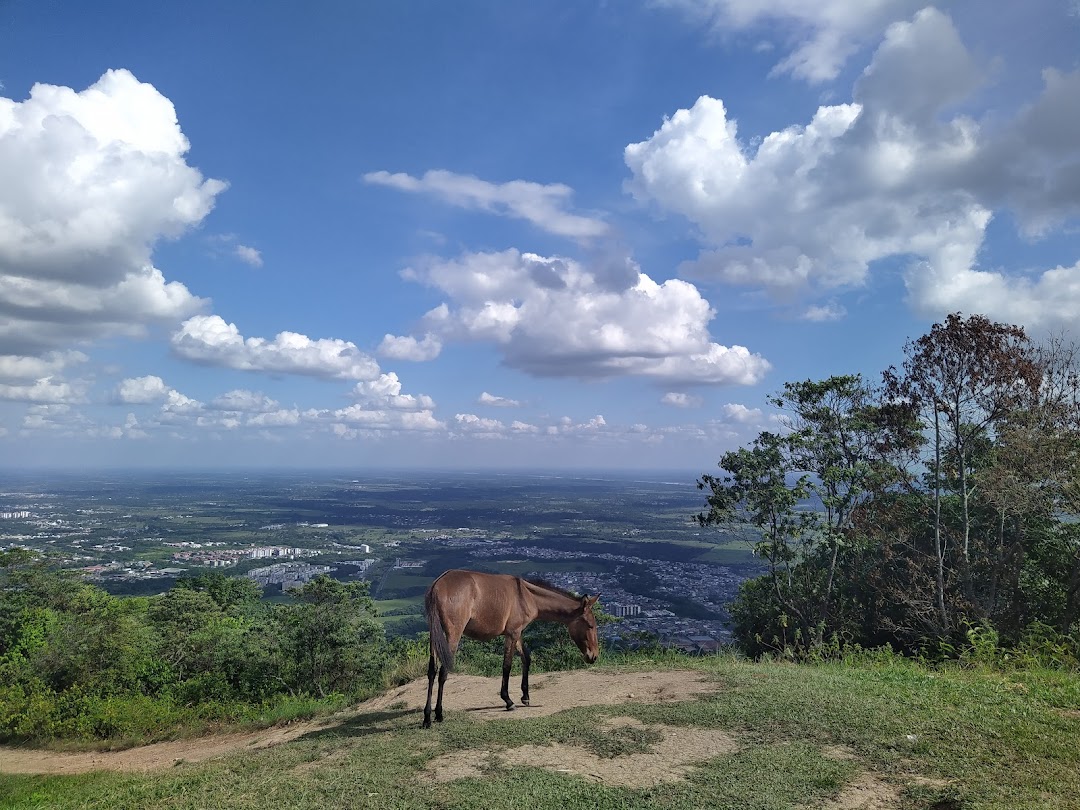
x=552, y=692
x=884, y=734
x=670, y=759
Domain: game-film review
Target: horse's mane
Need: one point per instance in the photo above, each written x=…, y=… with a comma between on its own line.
x=548, y=586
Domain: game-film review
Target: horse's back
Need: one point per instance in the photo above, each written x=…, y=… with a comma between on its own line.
x=457, y=582
x=475, y=602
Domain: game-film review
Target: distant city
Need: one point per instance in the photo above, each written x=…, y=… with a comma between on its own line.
x=629, y=538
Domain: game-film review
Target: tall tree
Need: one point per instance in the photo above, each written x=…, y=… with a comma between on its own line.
x=336, y=640
x=839, y=447
x=756, y=490
x=965, y=377
x=1034, y=481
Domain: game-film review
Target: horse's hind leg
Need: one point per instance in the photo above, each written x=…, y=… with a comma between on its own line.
x=442, y=682
x=508, y=662
x=430, y=683
x=526, y=659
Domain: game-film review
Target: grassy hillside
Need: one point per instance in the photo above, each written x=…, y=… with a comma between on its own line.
x=877, y=734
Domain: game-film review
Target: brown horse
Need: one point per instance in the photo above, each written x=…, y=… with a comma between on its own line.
x=483, y=606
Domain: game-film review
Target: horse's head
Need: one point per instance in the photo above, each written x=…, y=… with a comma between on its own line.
x=583, y=629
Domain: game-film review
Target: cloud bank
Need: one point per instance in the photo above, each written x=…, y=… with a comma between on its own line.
x=893, y=174
x=92, y=180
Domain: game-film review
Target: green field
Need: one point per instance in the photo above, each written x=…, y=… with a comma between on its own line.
x=384, y=606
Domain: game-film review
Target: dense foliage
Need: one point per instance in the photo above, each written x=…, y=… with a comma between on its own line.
x=935, y=512
x=78, y=662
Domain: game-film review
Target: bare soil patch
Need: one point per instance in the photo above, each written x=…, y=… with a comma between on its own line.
x=550, y=693
x=668, y=761
x=867, y=792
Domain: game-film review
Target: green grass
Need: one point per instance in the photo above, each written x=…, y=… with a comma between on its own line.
x=386, y=605
x=977, y=738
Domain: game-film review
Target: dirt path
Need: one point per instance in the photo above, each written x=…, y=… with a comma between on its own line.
x=151, y=757
x=550, y=693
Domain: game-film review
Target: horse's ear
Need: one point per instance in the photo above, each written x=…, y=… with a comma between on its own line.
x=589, y=601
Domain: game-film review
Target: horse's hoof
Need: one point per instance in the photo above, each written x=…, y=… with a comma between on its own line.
x=510, y=707
x=524, y=702
x=426, y=724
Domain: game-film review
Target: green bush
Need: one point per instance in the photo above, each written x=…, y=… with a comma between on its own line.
x=76, y=662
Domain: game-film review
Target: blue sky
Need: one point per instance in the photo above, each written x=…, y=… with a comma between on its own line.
x=554, y=234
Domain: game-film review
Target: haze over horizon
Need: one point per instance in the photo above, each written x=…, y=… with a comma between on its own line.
x=556, y=236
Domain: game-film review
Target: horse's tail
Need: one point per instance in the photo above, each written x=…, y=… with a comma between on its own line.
x=439, y=642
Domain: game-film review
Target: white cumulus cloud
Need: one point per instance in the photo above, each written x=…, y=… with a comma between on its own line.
x=209, y=339
x=679, y=399
x=177, y=404
x=58, y=418
x=483, y=427
x=829, y=311
x=734, y=412
x=556, y=317
x=568, y=427
x=542, y=205
x=131, y=429
x=480, y=426
x=498, y=402
x=385, y=392
x=242, y=400
x=16, y=368
x=283, y=417
x=45, y=390
x=406, y=347
x=38, y=379
x=142, y=390
x=152, y=390
x=92, y=180
x=248, y=255
x=361, y=417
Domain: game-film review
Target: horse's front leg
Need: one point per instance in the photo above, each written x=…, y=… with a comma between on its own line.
x=526, y=659
x=508, y=662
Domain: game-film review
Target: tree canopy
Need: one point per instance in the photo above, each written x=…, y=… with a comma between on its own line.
x=908, y=513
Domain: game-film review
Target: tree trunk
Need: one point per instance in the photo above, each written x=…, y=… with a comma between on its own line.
x=939, y=551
